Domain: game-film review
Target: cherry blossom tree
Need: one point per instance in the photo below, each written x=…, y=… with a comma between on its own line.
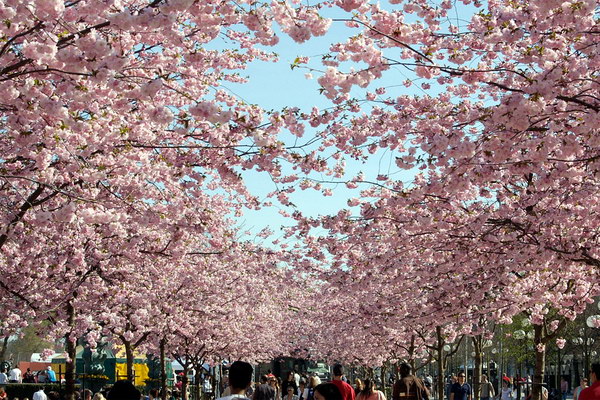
x=121, y=163
x=120, y=146
x=504, y=138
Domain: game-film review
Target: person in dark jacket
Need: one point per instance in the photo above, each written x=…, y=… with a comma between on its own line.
x=264, y=391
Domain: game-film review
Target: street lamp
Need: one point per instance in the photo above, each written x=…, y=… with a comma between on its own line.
x=593, y=321
x=519, y=334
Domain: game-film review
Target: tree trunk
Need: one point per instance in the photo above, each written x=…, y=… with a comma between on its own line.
x=411, y=354
x=441, y=363
x=540, y=364
x=558, y=369
x=163, y=370
x=71, y=349
x=3, y=349
x=198, y=385
x=129, y=356
x=478, y=349
x=184, y=383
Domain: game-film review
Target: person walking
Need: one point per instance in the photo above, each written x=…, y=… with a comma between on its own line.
x=40, y=395
x=486, y=389
x=583, y=383
x=409, y=387
x=506, y=393
x=14, y=376
x=461, y=390
x=51, y=374
x=240, y=378
x=592, y=392
x=370, y=392
x=358, y=386
x=302, y=390
x=564, y=388
x=290, y=381
x=28, y=376
x=313, y=382
x=264, y=391
x=290, y=394
x=345, y=389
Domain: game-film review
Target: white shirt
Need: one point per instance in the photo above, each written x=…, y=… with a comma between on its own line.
x=506, y=394
x=40, y=395
x=15, y=374
x=3, y=378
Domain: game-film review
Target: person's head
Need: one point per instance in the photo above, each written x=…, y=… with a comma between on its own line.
x=594, y=373
x=327, y=391
x=290, y=376
x=240, y=375
x=98, y=396
x=87, y=394
x=154, y=393
x=302, y=385
x=405, y=369
x=583, y=381
x=483, y=378
x=264, y=379
x=273, y=381
x=290, y=390
x=123, y=390
x=368, y=387
x=314, y=382
x=338, y=370
x=53, y=395
x=49, y=368
x=462, y=377
x=358, y=384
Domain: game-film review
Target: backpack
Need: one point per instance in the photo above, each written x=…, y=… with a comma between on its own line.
x=410, y=388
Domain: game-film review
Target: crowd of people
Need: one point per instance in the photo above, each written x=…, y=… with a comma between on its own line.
x=15, y=375
x=407, y=387
x=522, y=388
x=303, y=387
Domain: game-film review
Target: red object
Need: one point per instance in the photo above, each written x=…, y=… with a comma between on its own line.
x=346, y=390
x=590, y=393
x=506, y=378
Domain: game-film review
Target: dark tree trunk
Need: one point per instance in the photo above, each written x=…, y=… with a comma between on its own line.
x=3, y=348
x=163, y=370
x=184, y=383
x=130, y=359
x=540, y=363
x=478, y=349
x=198, y=385
x=441, y=362
x=71, y=356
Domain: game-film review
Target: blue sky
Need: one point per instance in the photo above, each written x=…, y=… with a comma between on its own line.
x=276, y=85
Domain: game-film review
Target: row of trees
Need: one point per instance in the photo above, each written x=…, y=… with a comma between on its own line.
x=122, y=162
